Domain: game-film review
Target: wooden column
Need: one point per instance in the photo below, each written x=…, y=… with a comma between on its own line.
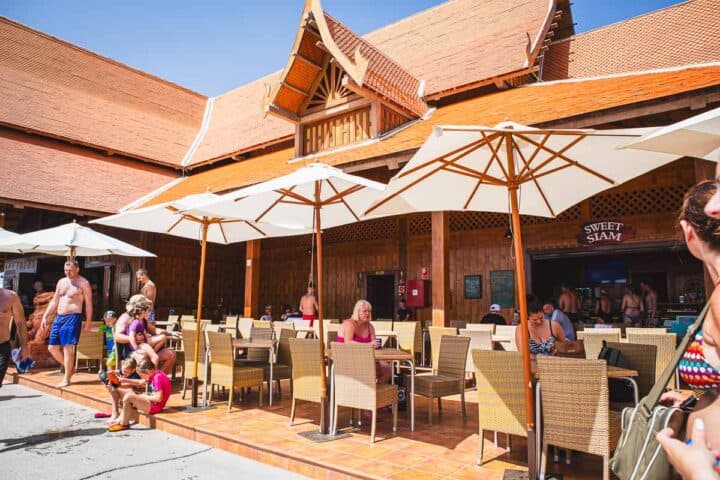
x=252, y=280
x=440, y=269
x=402, y=245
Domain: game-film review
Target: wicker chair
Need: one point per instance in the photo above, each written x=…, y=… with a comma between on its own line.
x=501, y=394
x=192, y=324
x=258, y=355
x=646, y=331
x=641, y=358
x=490, y=327
x=382, y=324
x=450, y=378
x=90, y=346
x=225, y=370
x=459, y=324
x=214, y=328
x=666, y=345
x=278, y=327
x=356, y=384
x=479, y=340
x=189, y=351
x=591, y=427
x=262, y=324
x=187, y=318
x=409, y=337
x=436, y=333
x=230, y=322
x=593, y=339
x=282, y=365
x=306, y=365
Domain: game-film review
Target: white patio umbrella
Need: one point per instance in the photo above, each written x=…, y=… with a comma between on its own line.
x=169, y=218
x=515, y=169
x=697, y=136
x=6, y=235
x=316, y=196
x=71, y=240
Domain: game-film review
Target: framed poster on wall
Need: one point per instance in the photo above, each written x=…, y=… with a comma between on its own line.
x=473, y=286
x=502, y=288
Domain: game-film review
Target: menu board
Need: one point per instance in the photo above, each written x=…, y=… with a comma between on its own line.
x=473, y=286
x=502, y=288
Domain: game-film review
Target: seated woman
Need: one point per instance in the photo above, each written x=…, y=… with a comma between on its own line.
x=358, y=329
x=543, y=334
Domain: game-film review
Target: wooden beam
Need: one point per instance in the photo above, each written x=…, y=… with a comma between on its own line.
x=440, y=269
x=283, y=113
x=307, y=61
x=252, y=280
x=294, y=88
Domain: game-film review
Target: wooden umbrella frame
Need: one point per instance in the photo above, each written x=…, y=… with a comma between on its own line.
x=527, y=172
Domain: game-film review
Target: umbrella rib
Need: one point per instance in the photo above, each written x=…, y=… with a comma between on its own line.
x=403, y=189
x=487, y=167
x=282, y=193
x=341, y=197
x=469, y=147
x=253, y=226
x=175, y=224
x=526, y=165
x=496, y=157
x=289, y=192
x=472, y=174
x=222, y=232
x=526, y=168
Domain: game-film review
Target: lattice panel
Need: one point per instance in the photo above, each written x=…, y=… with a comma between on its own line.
x=381, y=229
x=463, y=221
x=569, y=215
x=420, y=224
x=658, y=200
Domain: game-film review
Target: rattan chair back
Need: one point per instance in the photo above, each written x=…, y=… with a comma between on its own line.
x=490, y=327
x=594, y=337
x=214, y=328
x=355, y=378
x=479, y=340
x=435, y=334
x=666, y=344
x=231, y=322
x=283, y=346
x=222, y=357
x=262, y=324
x=259, y=354
x=646, y=331
x=278, y=327
x=453, y=352
x=189, y=348
x=459, y=324
x=383, y=325
x=505, y=330
x=192, y=324
x=187, y=317
x=90, y=346
x=407, y=333
x=244, y=326
x=642, y=358
x=306, y=365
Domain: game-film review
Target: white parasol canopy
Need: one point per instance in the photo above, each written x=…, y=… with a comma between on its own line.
x=697, y=136
x=71, y=240
x=466, y=168
x=6, y=235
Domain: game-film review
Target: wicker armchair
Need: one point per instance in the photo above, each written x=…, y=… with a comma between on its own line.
x=282, y=364
x=189, y=351
x=436, y=333
x=409, y=337
x=490, y=327
x=258, y=355
x=278, y=327
x=666, y=345
x=192, y=324
x=306, y=365
x=90, y=346
x=501, y=394
x=450, y=378
x=641, y=358
x=184, y=318
x=506, y=331
x=225, y=370
x=645, y=331
x=593, y=339
x=244, y=326
x=591, y=427
x=356, y=384
x=459, y=324
x=230, y=323
x=479, y=340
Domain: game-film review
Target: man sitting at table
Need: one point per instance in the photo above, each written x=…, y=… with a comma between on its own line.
x=494, y=316
x=558, y=316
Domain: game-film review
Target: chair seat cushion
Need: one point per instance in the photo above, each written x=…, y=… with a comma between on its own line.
x=438, y=385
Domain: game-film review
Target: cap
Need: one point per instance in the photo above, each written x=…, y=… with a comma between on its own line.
x=495, y=308
x=137, y=301
x=109, y=314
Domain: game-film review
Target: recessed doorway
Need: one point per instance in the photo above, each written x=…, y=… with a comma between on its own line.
x=381, y=295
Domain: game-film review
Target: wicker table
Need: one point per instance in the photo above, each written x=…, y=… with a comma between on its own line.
x=386, y=355
x=269, y=345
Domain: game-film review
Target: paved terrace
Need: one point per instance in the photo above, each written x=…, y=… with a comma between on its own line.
x=445, y=450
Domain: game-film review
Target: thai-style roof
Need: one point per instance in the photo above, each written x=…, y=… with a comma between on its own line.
x=54, y=88
x=39, y=170
x=682, y=34
x=531, y=104
x=321, y=39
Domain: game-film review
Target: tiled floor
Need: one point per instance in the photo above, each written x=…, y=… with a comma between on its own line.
x=446, y=450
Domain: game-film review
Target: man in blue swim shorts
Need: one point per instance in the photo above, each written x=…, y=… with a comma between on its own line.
x=71, y=293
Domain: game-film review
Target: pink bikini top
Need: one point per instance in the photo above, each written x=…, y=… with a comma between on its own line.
x=357, y=338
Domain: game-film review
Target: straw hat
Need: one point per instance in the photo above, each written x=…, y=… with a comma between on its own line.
x=136, y=301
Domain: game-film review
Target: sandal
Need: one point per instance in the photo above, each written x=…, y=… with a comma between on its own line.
x=118, y=427
x=102, y=415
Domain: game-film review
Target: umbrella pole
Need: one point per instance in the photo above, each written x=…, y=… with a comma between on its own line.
x=522, y=304
x=319, y=292
x=201, y=285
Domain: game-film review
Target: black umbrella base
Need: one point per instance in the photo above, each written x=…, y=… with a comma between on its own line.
x=317, y=437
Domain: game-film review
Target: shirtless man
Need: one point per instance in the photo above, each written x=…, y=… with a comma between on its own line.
x=568, y=303
x=71, y=293
x=650, y=303
x=149, y=289
x=308, y=305
x=10, y=307
x=631, y=307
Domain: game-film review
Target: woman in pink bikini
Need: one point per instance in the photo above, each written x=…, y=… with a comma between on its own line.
x=359, y=329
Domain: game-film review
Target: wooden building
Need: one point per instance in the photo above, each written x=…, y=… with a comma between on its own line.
x=73, y=121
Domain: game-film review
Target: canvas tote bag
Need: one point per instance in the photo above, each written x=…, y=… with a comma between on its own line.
x=638, y=456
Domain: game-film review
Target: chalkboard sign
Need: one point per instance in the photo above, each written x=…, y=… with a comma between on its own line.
x=502, y=288
x=473, y=286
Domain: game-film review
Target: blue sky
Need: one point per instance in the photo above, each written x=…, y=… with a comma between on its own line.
x=214, y=46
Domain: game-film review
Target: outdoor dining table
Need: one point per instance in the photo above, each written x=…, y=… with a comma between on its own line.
x=612, y=372
x=269, y=345
x=387, y=355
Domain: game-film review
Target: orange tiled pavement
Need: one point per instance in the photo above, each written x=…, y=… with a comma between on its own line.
x=447, y=450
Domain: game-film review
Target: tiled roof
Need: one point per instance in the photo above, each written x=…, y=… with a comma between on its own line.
x=464, y=41
x=53, y=87
x=238, y=123
x=384, y=75
x=682, y=34
x=532, y=104
x=45, y=171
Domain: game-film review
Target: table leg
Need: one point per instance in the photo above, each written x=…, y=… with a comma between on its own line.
x=332, y=400
x=538, y=425
x=205, y=380
x=636, y=391
x=422, y=360
x=412, y=394
x=271, y=354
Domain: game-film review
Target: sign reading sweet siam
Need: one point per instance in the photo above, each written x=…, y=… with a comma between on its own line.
x=605, y=232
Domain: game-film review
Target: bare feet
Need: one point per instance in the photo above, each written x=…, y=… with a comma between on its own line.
x=63, y=384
